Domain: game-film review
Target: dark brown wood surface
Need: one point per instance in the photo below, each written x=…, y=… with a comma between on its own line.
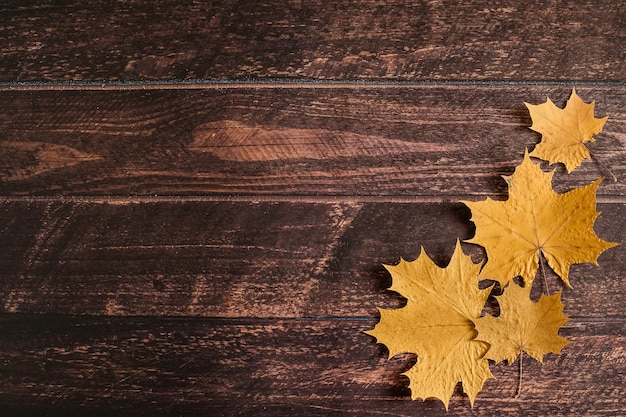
x=190, y=366
x=302, y=141
x=393, y=40
x=242, y=259
x=196, y=198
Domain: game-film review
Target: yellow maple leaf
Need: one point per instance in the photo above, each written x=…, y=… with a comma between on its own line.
x=523, y=326
x=536, y=220
x=436, y=325
x=564, y=131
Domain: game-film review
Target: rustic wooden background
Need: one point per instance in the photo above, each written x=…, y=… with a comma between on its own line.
x=197, y=197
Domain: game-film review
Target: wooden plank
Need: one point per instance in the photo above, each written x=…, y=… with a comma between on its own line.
x=441, y=141
x=346, y=40
x=268, y=259
x=62, y=364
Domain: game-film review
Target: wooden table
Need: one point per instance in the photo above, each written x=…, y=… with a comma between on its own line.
x=198, y=197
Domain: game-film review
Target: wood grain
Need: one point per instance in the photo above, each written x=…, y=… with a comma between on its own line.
x=273, y=259
x=64, y=364
x=435, y=141
x=196, y=198
x=345, y=40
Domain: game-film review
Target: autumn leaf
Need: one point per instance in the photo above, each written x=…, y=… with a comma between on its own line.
x=436, y=325
x=535, y=220
x=564, y=131
x=523, y=326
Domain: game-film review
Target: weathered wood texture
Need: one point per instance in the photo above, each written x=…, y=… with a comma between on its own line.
x=442, y=141
x=221, y=259
x=162, y=40
x=147, y=366
x=170, y=246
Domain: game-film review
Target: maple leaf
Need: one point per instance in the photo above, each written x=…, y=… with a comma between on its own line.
x=564, y=130
x=523, y=326
x=436, y=325
x=536, y=220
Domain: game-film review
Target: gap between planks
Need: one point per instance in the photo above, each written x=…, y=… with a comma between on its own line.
x=254, y=320
x=281, y=83
x=605, y=199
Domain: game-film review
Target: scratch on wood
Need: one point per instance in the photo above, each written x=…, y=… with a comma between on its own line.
x=200, y=287
x=112, y=307
x=369, y=411
x=341, y=218
x=51, y=228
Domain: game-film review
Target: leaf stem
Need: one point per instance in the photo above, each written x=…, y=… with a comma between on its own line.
x=599, y=161
x=519, y=381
